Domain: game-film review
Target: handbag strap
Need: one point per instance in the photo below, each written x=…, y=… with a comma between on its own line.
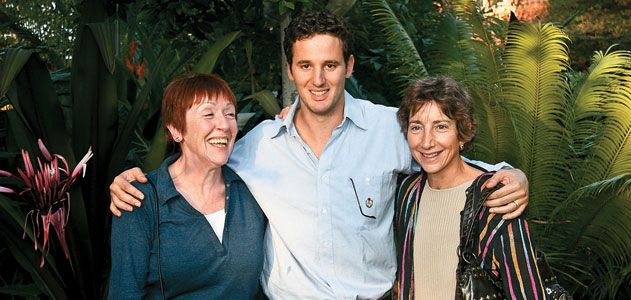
x=157, y=231
x=469, y=220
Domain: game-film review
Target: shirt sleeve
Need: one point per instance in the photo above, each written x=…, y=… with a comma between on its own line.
x=506, y=248
x=246, y=150
x=489, y=167
x=130, y=250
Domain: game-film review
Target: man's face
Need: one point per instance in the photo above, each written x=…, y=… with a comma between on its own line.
x=319, y=71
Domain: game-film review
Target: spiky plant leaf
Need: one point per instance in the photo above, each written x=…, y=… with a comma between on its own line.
x=599, y=233
x=536, y=92
x=124, y=139
x=209, y=59
x=267, y=101
x=610, y=154
x=12, y=63
x=476, y=62
x=599, y=208
x=406, y=59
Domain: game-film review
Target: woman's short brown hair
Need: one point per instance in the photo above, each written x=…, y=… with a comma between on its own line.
x=453, y=100
x=187, y=90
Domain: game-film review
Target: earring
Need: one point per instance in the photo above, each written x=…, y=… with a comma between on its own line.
x=177, y=139
x=461, y=146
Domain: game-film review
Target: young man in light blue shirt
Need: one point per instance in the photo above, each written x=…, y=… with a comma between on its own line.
x=325, y=176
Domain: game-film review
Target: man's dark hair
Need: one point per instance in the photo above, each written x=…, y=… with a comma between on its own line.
x=315, y=22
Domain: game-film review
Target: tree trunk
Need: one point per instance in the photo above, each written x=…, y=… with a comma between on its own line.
x=289, y=89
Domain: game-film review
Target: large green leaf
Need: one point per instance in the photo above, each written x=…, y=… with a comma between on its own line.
x=29, y=291
x=157, y=151
x=12, y=63
x=84, y=82
x=29, y=259
x=267, y=100
x=94, y=123
x=599, y=215
x=35, y=101
x=18, y=128
x=95, y=102
x=123, y=142
x=207, y=62
x=606, y=93
x=465, y=48
x=340, y=7
x=536, y=91
x=38, y=114
x=104, y=35
x=406, y=59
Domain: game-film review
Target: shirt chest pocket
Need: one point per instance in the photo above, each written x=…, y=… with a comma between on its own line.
x=367, y=199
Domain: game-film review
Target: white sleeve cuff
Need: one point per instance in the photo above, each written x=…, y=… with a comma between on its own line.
x=486, y=166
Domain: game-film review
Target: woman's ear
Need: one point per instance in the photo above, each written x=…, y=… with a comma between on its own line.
x=175, y=134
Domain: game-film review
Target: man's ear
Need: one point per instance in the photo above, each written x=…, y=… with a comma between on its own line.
x=289, y=74
x=349, y=66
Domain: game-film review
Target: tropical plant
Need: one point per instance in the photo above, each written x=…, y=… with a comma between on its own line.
x=46, y=190
x=46, y=25
x=569, y=132
x=99, y=101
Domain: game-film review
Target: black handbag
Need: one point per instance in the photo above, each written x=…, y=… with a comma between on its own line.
x=473, y=282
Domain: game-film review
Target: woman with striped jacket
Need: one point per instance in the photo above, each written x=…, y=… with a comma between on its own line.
x=436, y=116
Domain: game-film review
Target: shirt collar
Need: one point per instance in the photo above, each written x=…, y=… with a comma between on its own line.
x=352, y=111
x=164, y=184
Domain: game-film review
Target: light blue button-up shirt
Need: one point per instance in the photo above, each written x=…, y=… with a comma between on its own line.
x=327, y=239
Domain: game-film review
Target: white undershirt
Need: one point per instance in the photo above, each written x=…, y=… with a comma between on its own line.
x=217, y=221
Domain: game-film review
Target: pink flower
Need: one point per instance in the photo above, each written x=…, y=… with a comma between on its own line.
x=46, y=190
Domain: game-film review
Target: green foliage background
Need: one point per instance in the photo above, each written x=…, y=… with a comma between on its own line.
x=92, y=73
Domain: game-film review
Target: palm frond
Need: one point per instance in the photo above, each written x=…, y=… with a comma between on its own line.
x=450, y=51
x=606, y=93
x=406, y=62
x=535, y=91
x=477, y=64
x=600, y=229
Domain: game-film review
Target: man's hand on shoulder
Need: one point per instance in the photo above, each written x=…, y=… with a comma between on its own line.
x=512, y=199
x=122, y=194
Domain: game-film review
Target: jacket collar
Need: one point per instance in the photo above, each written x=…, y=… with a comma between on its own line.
x=164, y=183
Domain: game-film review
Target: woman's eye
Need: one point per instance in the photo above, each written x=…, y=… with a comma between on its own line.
x=231, y=115
x=415, y=128
x=209, y=115
x=442, y=127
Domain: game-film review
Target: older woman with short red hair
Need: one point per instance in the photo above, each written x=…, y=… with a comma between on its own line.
x=200, y=233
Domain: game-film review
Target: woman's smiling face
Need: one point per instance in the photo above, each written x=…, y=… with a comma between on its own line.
x=210, y=132
x=433, y=139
